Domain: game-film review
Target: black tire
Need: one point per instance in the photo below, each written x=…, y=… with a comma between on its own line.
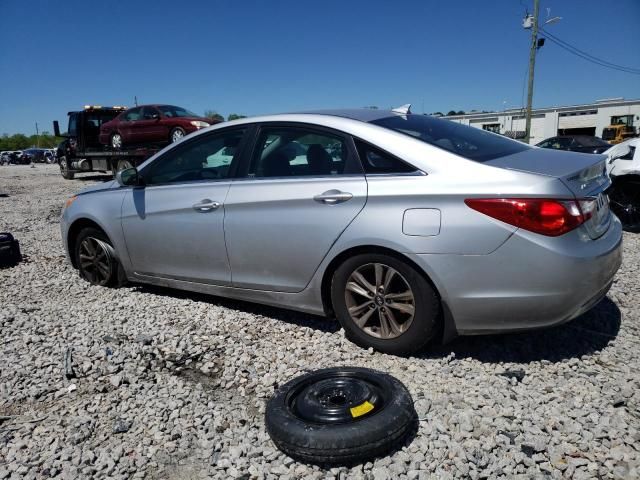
x=350, y=438
x=175, y=133
x=624, y=197
x=426, y=306
x=64, y=169
x=114, y=276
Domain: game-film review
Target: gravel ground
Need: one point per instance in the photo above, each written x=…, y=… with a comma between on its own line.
x=172, y=385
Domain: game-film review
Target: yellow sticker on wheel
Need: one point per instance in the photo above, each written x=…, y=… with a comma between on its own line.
x=361, y=409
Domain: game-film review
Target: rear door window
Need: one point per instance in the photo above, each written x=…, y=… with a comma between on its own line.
x=300, y=151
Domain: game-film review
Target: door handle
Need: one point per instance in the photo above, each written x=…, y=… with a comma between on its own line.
x=206, y=205
x=331, y=197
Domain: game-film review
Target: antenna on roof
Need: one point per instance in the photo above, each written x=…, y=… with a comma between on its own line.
x=404, y=109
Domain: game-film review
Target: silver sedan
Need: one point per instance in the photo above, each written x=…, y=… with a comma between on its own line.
x=405, y=227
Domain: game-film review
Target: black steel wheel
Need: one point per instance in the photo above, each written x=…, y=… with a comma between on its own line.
x=340, y=416
x=385, y=303
x=624, y=197
x=96, y=259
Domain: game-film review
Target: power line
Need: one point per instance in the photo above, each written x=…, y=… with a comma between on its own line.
x=586, y=56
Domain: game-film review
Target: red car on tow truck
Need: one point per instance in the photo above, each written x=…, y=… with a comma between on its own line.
x=151, y=124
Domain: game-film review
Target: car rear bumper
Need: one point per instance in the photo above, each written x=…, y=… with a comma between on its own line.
x=529, y=282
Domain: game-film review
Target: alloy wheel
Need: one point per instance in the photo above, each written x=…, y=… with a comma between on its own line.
x=177, y=135
x=95, y=261
x=380, y=301
x=116, y=141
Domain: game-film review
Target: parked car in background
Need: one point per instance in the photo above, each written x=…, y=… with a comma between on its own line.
x=400, y=225
x=623, y=165
x=151, y=124
x=4, y=158
x=33, y=155
x=577, y=143
x=15, y=157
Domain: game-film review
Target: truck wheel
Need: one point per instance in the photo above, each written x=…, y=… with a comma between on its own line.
x=116, y=141
x=96, y=259
x=64, y=169
x=624, y=196
x=340, y=416
x=384, y=303
x=176, y=135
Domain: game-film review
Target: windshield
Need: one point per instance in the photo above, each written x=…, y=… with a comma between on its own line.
x=171, y=111
x=468, y=142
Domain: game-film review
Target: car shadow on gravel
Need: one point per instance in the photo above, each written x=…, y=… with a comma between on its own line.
x=587, y=334
x=290, y=316
x=95, y=178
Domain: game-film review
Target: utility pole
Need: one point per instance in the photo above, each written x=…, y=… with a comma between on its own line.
x=37, y=136
x=532, y=66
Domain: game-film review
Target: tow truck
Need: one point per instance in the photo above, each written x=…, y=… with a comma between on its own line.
x=81, y=152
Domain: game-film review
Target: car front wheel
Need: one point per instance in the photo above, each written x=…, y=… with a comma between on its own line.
x=384, y=303
x=177, y=134
x=96, y=259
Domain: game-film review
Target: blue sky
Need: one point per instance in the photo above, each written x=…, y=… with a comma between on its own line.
x=254, y=57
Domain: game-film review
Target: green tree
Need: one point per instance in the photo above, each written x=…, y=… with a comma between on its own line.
x=235, y=116
x=451, y=112
x=460, y=112
x=213, y=115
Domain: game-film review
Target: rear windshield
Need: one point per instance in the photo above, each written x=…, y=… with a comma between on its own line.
x=468, y=142
x=591, y=142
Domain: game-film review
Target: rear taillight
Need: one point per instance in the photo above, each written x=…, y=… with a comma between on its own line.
x=540, y=215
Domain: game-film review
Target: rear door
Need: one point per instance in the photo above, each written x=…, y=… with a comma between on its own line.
x=301, y=189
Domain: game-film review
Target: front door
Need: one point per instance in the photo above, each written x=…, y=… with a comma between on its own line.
x=149, y=129
x=302, y=189
x=173, y=226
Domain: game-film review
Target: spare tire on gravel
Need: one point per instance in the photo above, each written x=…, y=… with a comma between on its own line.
x=9, y=250
x=340, y=416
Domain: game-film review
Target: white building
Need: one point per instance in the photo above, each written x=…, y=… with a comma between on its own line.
x=588, y=119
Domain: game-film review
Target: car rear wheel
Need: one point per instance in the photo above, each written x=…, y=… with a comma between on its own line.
x=116, y=141
x=384, y=303
x=96, y=259
x=177, y=134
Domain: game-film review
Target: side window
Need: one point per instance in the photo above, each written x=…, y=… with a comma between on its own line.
x=375, y=160
x=294, y=152
x=133, y=115
x=73, y=125
x=207, y=158
x=149, y=112
x=545, y=144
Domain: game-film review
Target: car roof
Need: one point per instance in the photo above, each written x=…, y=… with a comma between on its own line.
x=361, y=114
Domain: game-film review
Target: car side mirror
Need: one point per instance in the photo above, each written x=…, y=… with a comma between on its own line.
x=128, y=177
x=155, y=116
x=623, y=151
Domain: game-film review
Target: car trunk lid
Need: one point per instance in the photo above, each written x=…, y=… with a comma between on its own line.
x=583, y=174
